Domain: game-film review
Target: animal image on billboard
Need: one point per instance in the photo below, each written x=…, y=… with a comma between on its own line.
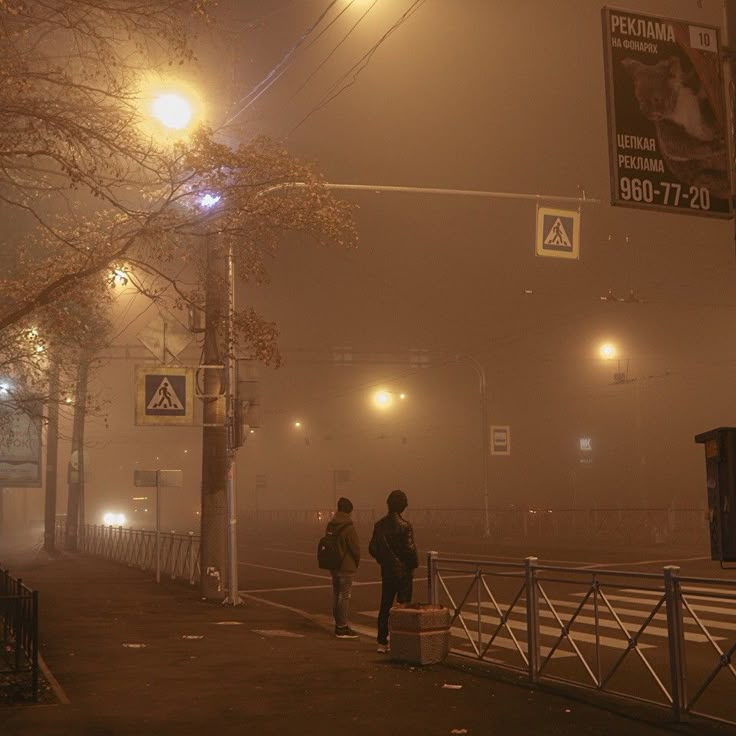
x=666, y=115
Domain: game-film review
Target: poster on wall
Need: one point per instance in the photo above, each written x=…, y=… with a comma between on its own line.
x=20, y=451
x=667, y=122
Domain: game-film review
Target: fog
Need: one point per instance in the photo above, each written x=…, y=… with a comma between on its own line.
x=504, y=97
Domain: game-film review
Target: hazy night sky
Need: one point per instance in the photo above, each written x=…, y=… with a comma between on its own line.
x=471, y=94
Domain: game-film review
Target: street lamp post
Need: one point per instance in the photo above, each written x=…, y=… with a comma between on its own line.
x=219, y=521
x=233, y=597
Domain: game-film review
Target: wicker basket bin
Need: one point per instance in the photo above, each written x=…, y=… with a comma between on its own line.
x=420, y=633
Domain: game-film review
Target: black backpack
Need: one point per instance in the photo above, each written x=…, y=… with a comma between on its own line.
x=328, y=550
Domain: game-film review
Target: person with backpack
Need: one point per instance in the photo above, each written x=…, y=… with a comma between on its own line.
x=339, y=552
x=392, y=546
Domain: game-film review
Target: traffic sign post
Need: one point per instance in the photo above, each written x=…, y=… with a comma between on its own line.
x=157, y=479
x=558, y=233
x=501, y=440
x=164, y=396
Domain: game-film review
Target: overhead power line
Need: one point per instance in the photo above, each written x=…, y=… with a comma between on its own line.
x=334, y=49
x=336, y=90
x=279, y=69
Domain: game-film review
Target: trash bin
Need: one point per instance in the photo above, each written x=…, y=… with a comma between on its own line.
x=420, y=633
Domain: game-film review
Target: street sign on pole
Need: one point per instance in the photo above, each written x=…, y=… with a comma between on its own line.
x=558, y=233
x=157, y=479
x=501, y=440
x=165, y=337
x=164, y=396
x=668, y=130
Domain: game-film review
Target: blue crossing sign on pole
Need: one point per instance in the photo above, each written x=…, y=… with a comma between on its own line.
x=558, y=233
x=164, y=396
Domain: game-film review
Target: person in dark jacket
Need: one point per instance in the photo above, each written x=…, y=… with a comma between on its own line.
x=342, y=578
x=392, y=545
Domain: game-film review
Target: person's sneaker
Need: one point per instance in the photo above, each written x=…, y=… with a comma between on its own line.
x=346, y=633
x=383, y=648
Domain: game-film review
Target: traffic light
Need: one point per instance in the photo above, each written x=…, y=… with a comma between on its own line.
x=720, y=474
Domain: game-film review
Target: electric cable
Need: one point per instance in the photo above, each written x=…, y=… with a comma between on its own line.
x=278, y=70
x=333, y=92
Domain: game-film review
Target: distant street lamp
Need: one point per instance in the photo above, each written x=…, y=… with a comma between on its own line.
x=607, y=351
x=383, y=399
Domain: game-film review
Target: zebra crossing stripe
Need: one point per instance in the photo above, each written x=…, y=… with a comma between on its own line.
x=640, y=614
x=504, y=643
x=606, y=623
x=520, y=627
x=694, y=603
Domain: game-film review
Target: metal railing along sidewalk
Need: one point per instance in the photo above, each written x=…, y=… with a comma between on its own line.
x=661, y=639
x=178, y=554
x=19, y=619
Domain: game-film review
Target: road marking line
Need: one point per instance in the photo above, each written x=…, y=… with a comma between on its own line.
x=281, y=569
x=502, y=643
x=520, y=560
x=520, y=626
x=289, y=551
x=319, y=619
x=669, y=561
x=356, y=584
x=607, y=623
x=698, y=608
x=635, y=613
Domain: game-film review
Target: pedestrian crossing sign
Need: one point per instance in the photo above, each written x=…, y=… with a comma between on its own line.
x=558, y=233
x=164, y=396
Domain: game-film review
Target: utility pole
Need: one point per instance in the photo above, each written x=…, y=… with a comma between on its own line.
x=52, y=458
x=231, y=390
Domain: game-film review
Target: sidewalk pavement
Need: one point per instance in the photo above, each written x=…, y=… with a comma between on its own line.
x=256, y=669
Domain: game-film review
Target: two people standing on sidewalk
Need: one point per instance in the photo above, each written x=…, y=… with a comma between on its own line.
x=392, y=546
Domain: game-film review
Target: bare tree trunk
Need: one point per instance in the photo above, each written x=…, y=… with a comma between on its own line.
x=76, y=478
x=52, y=458
x=213, y=553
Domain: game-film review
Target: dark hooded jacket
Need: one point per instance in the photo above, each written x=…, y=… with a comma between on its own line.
x=392, y=545
x=347, y=541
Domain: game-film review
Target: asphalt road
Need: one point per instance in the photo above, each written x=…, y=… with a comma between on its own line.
x=281, y=568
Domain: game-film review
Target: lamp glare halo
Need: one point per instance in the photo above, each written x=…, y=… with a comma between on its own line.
x=172, y=110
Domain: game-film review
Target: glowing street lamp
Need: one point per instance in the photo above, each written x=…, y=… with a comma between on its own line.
x=607, y=351
x=172, y=110
x=382, y=399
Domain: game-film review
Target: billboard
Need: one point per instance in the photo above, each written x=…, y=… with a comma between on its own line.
x=667, y=122
x=20, y=450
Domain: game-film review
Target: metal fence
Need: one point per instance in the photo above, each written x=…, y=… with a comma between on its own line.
x=19, y=617
x=178, y=554
x=662, y=639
